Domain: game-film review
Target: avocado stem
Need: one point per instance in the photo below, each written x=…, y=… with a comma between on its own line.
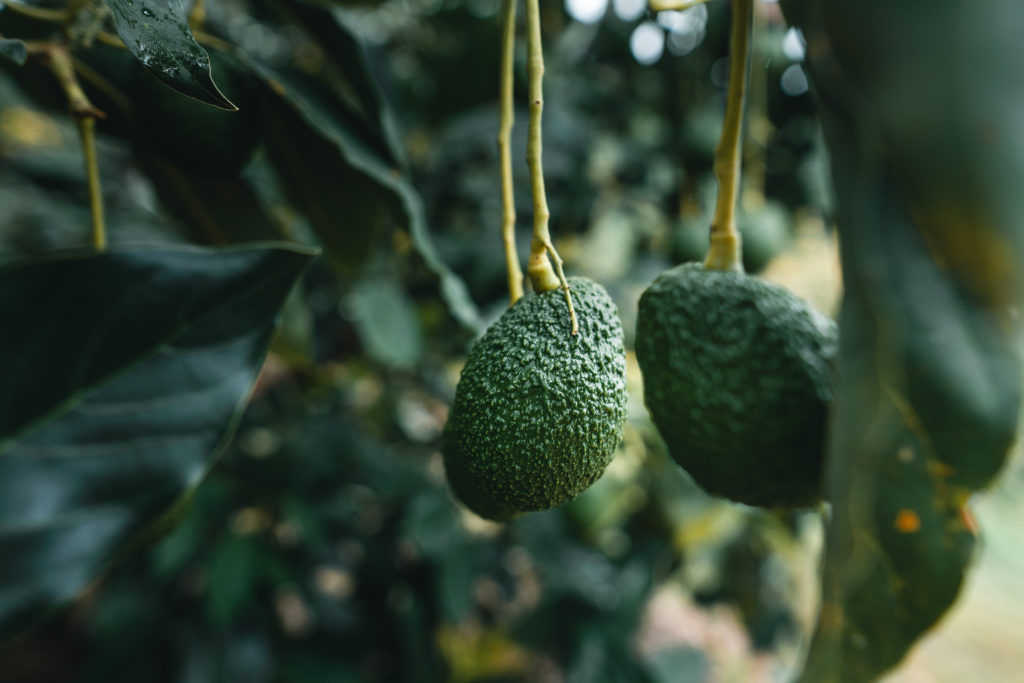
x=508, y=204
x=542, y=276
x=725, y=250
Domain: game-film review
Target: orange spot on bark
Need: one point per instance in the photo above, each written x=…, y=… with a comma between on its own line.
x=907, y=521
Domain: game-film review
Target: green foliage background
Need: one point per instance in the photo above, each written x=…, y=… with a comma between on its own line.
x=323, y=544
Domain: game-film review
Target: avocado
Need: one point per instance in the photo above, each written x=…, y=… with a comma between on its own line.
x=538, y=412
x=738, y=374
x=464, y=486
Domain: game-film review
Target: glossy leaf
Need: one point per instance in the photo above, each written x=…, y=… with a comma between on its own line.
x=929, y=215
x=157, y=33
x=124, y=377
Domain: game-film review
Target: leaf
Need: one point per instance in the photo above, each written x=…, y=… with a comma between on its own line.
x=157, y=34
x=386, y=321
x=346, y=52
x=679, y=663
x=14, y=50
x=123, y=378
x=930, y=389
x=214, y=210
x=347, y=190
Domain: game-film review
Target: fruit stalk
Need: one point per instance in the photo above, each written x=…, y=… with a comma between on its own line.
x=542, y=276
x=724, y=252
x=508, y=223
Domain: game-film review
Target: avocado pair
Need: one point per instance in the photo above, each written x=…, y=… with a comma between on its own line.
x=738, y=374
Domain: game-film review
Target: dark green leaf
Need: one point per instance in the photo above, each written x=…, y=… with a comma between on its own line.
x=347, y=54
x=123, y=378
x=157, y=33
x=214, y=210
x=13, y=50
x=347, y=191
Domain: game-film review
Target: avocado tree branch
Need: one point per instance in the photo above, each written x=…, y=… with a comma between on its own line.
x=543, y=277
x=508, y=222
x=724, y=252
x=57, y=58
x=87, y=130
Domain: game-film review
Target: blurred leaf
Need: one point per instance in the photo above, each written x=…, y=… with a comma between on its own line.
x=214, y=210
x=345, y=207
x=456, y=581
x=387, y=323
x=348, y=192
x=158, y=35
x=432, y=523
x=931, y=377
x=233, y=572
x=346, y=51
x=124, y=377
x=678, y=664
x=13, y=50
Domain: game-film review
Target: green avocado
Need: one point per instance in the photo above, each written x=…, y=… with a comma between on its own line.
x=738, y=374
x=464, y=486
x=538, y=413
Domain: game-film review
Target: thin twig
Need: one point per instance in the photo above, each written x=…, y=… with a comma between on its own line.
x=57, y=58
x=725, y=252
x=87, y=129
x=508, y=224
x=542, y=275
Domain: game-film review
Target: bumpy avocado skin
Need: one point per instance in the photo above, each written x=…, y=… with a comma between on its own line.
x=538, y=413
x=738, y=374
x=464, y=485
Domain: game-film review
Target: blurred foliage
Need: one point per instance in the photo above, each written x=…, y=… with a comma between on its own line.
x=932, y=389
x=323, y=545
